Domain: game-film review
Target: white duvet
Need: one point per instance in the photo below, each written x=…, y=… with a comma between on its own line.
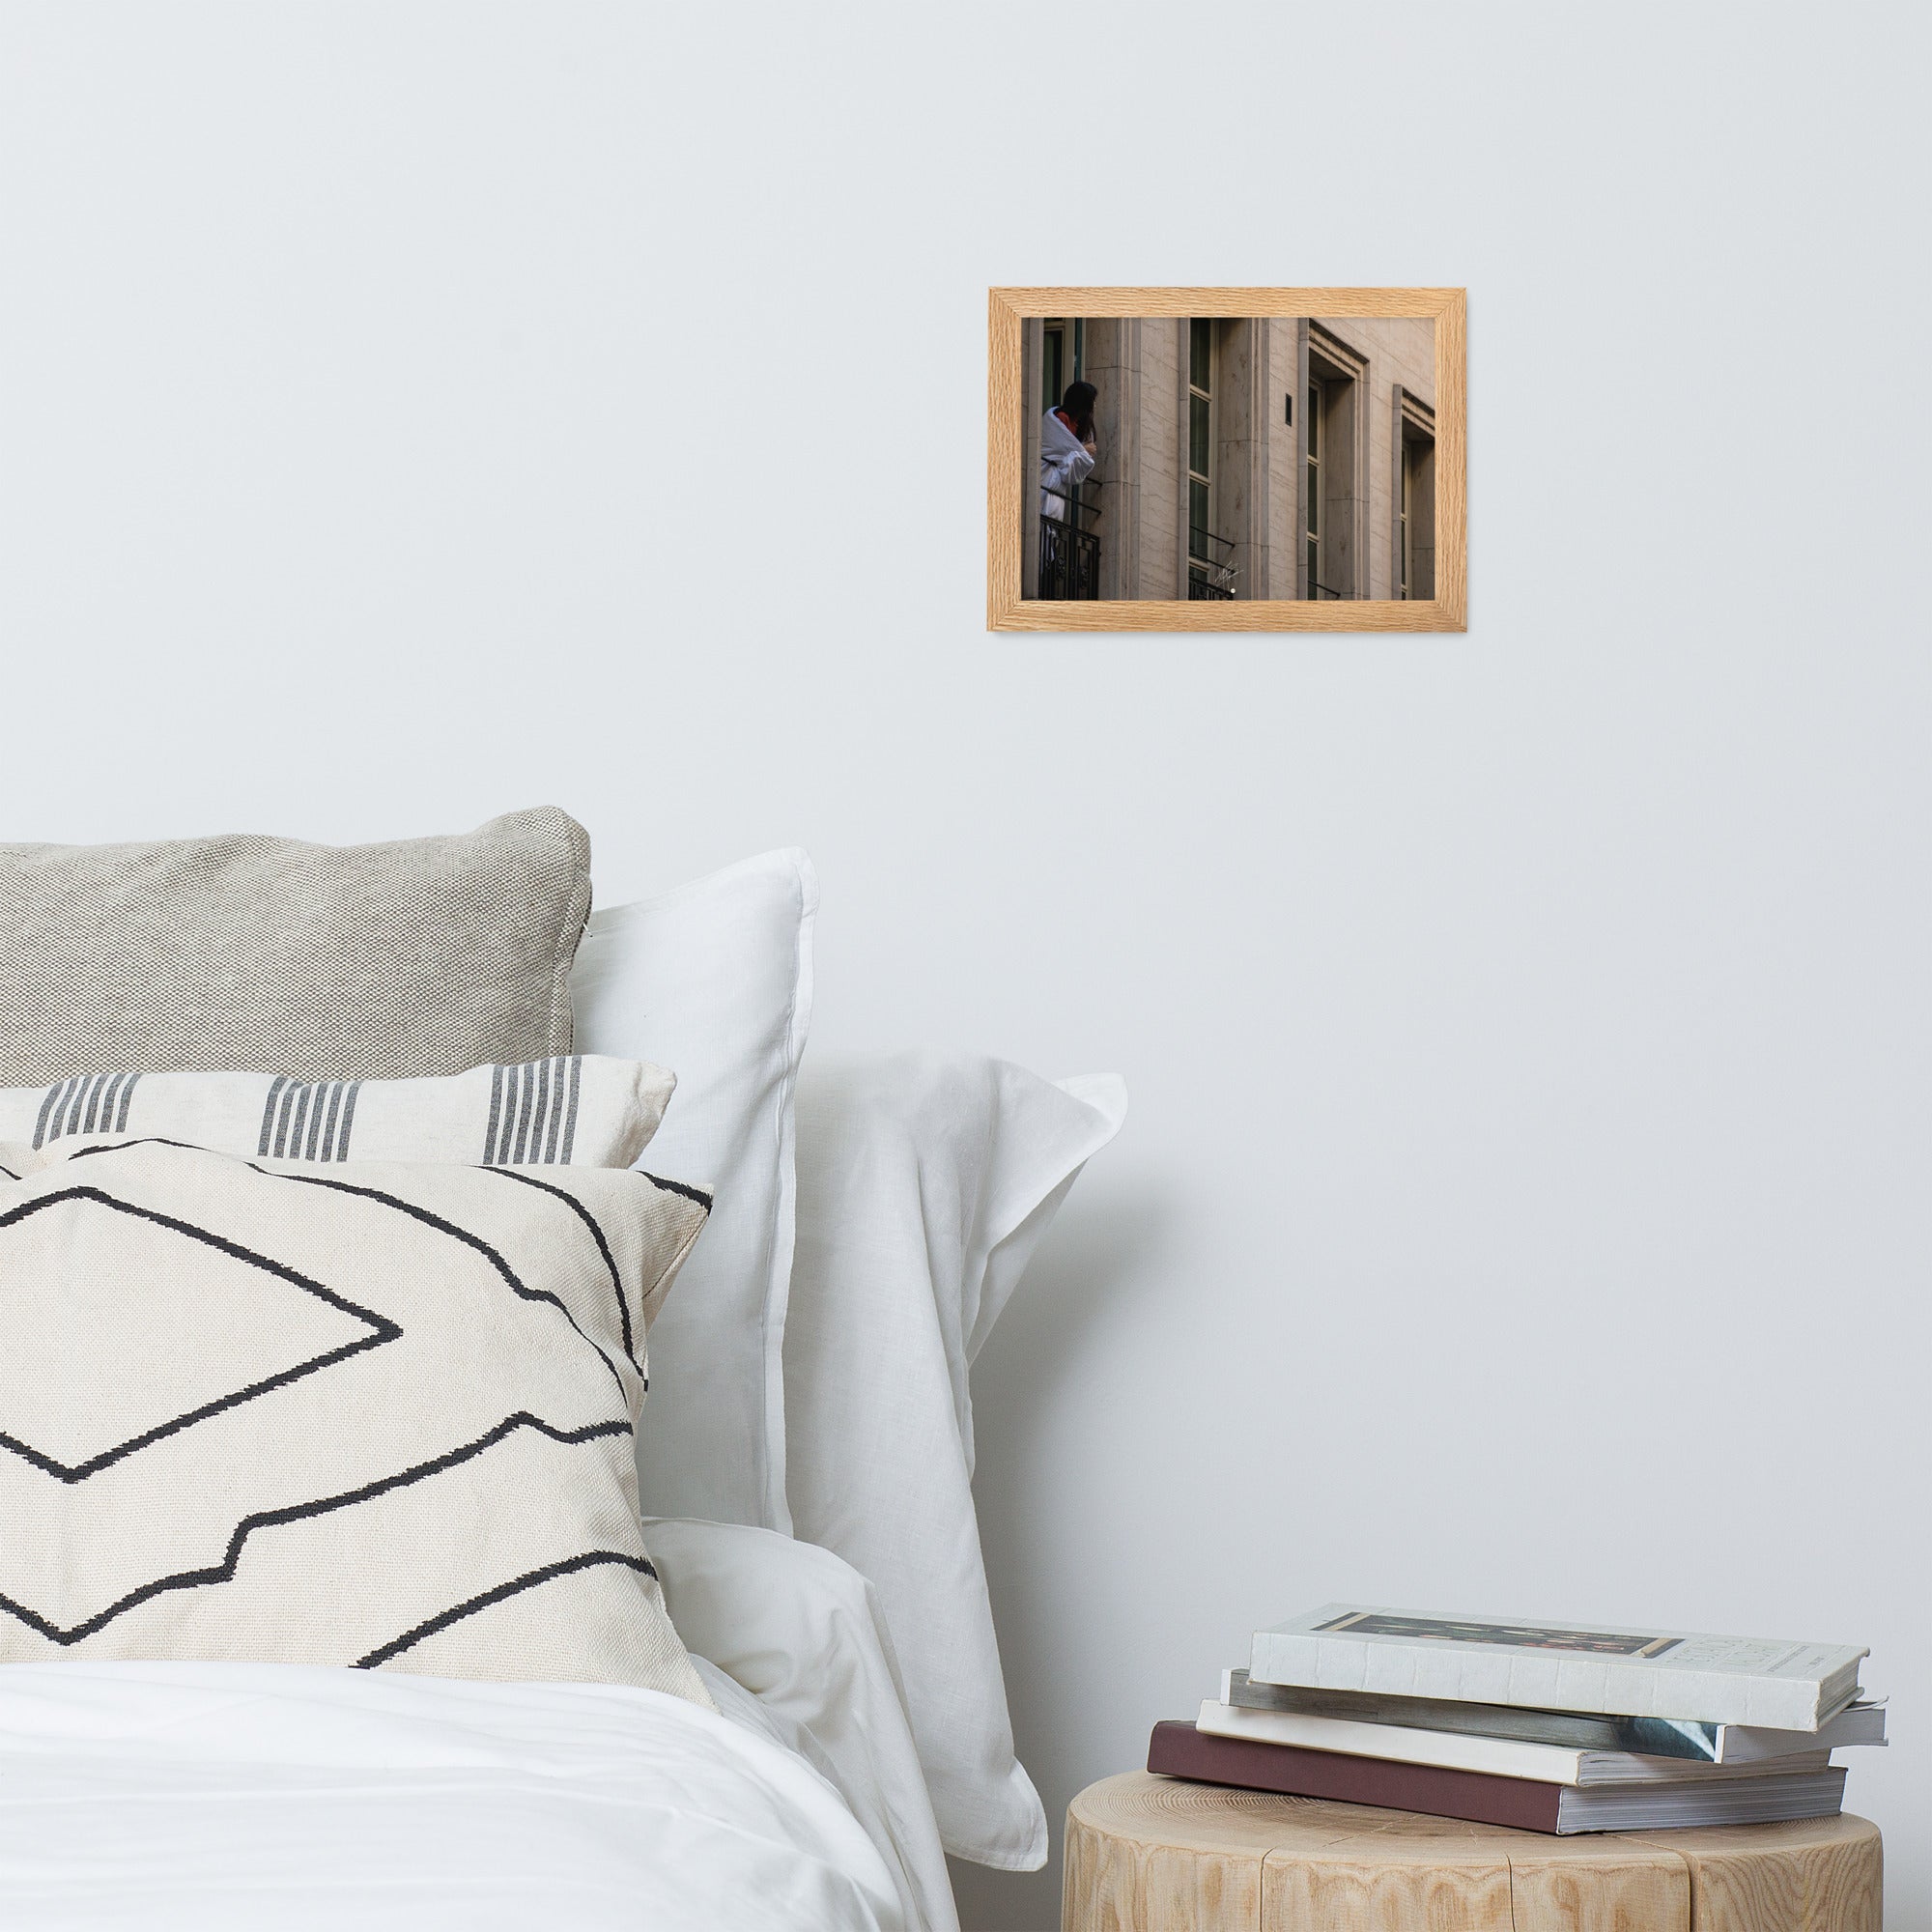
x=223, y=1796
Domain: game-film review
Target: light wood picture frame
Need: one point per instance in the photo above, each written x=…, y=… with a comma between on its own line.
x=1223, y=601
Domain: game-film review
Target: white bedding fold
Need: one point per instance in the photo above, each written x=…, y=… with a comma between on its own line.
x=224, y=1796
x=800, y=1629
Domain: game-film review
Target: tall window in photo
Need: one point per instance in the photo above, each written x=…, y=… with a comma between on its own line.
x=1209, y=558
x=1415, y=528
x=1063, y=357
x=1310, y=444
x=1403, y=555
x=1335, y=536
x=1199, y=444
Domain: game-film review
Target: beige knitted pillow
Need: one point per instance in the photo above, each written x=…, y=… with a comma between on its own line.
x=321, y=962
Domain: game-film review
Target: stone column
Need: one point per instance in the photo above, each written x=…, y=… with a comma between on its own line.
x=1241, y=451
x=1113, y=365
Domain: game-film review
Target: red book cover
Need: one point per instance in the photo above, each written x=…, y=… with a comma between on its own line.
x=1179, y=1750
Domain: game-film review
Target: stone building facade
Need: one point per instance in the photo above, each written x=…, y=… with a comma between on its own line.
x=1275, y=457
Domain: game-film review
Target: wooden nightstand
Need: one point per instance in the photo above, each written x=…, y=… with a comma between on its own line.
x=1148, y=1854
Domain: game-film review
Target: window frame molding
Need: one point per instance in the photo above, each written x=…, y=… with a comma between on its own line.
x=1345, y=364
x=1410, y=413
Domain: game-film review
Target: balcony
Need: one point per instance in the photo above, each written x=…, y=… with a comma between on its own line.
x=1069, y=547
x=1210, y=567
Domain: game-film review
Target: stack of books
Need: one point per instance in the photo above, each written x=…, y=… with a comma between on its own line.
x=1548, y=1727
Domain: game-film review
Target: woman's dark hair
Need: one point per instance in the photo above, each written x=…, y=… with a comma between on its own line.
x=1077, y=399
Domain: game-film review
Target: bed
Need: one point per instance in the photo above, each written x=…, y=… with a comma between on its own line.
x=228, y=1794
x=821, y=1720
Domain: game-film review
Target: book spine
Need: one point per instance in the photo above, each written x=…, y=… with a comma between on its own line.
x=1179, y=1750
x=1552, y=1682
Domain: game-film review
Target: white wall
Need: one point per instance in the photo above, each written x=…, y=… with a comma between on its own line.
x=1525, y=1200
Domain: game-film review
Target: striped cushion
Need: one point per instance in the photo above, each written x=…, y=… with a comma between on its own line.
x=374, y=1414
x=572, y=1110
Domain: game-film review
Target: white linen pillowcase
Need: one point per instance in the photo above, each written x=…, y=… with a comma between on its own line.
x=926, y=1179
x=714, y=978
x=576, y=1109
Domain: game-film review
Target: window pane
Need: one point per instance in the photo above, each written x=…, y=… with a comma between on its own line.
x=1312, y=421
x=1050, y=367
x=1197, y=437
x=1313, y=499
x=1199, y=354
x=1313, y=567
x=1079, y=348
x=1197, y=519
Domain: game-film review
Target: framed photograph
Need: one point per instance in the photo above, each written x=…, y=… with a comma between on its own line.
x=1226, y=459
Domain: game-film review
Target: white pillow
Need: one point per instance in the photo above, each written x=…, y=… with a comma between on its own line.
x=714, y=982
x=926, y=1181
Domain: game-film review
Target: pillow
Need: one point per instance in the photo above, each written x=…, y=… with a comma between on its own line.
x=714, y=979
x=377, y=1414
x=800, y=1630
x=926, y=1181
x=575, y=1109
x=432, y=955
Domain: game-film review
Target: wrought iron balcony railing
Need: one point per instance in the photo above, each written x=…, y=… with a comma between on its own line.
x=1069, y=546
x=1212, y=573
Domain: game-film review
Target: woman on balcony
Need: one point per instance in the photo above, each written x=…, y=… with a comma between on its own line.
x=1067, y=457
x=1066, y=451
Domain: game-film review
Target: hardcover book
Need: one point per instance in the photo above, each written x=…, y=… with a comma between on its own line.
x=1180, y=1750
x=1859, y=1723
x=1494, y=1757
x=1650, y=1673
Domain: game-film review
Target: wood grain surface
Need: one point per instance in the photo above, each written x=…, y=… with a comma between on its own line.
x=1148, y=1854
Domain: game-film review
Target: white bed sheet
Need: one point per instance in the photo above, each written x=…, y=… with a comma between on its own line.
x=224, y=1796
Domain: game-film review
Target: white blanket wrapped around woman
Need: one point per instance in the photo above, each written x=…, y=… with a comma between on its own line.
x=1064, y=463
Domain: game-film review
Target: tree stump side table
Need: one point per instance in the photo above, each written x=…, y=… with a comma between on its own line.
x=1148, y=1854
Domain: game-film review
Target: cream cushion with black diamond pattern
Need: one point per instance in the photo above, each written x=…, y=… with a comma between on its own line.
x=372, y=1414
